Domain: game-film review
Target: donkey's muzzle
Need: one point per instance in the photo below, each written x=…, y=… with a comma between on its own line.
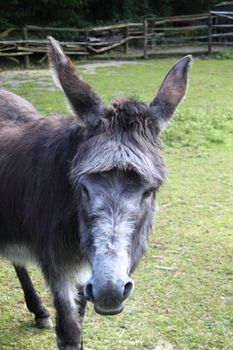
x=108, y=297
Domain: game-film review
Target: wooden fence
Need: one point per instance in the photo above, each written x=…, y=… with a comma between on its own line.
x=220, y=29
x=176, y=31
x=83, y=42
x=151, y=34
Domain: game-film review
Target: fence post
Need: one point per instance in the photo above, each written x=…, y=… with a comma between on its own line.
x=210, y=30
x=25, y=37
x=145, y=30
x=126, y=46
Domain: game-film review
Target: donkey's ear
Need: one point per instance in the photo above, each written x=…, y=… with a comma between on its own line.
x=83, y=100
x=171, y=93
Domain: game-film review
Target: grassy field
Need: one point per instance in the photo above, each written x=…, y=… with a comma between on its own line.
x=188, y=305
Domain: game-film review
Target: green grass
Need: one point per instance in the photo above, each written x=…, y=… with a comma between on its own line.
x=204, y=118
x=189, y=306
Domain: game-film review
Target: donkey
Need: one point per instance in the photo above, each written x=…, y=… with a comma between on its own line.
x=78, y=194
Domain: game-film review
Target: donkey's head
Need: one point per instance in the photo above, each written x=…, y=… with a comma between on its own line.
x=116, y=174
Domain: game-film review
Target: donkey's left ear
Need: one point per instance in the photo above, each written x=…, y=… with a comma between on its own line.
x=83, y=100
x=171, y=93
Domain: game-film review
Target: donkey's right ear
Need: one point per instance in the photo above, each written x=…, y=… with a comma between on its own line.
x=83, y=100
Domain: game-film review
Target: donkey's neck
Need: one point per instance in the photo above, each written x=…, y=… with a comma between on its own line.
x=41, y=152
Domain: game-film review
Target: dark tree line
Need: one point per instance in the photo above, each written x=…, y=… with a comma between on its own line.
x=81, y=13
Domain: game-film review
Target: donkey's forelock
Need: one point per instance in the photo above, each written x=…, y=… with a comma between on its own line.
x=123, y=140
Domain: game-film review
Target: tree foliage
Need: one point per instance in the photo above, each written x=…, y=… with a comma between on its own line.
x=80, y=13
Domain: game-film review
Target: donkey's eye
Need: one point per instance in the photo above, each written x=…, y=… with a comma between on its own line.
x=148, y=192
x=85, y=192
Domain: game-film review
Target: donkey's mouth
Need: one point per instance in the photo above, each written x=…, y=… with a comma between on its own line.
x=108, y=311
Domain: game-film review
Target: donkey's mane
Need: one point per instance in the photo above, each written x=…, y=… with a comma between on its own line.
x=123, y=140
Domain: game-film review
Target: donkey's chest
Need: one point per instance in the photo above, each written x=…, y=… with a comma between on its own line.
x=19, y=254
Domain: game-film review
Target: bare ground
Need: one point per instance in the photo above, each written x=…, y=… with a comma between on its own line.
x=42, y=77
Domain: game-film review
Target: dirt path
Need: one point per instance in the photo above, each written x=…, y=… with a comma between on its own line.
x=42, y=77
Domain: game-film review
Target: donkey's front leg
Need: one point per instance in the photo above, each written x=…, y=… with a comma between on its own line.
x=32, y=299
x=68, y=320
x=81, y=303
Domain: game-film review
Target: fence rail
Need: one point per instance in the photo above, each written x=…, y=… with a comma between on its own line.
x=153, y=33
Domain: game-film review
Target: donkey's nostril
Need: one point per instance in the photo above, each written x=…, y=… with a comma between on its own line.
x=88, y=292
x=108, y=294
x=128, y=289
